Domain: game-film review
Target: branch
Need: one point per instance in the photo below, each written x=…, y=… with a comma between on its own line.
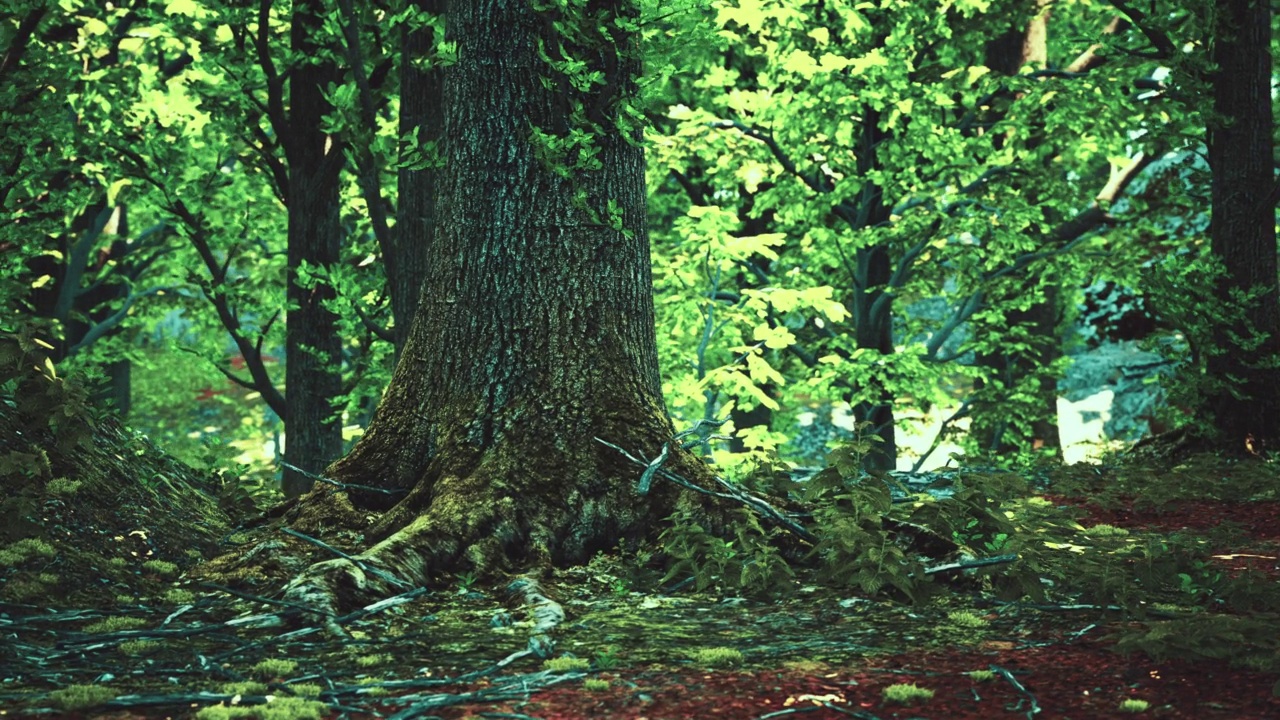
x=275, y=84
x=778, y=153
x=1090, y=59
x=22, y=37
x=252, y=353
x=102, y=328
x=369, y=176
x=76, y=263
x=1164, y=46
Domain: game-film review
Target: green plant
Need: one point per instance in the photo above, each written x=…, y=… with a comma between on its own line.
x=607, y=658
x=717, y=657
x=62, y=487
x=163, y=568
x=78, y=697
x=139, y=647
x=273, y=668
x=115, y=623
x=369, y=661
x=967, y=619
x=595, y=684
x=179, y=596
x=565, y=664
x=1134, y=706
x=981, y=675
x=246, y=687
x=906, y=693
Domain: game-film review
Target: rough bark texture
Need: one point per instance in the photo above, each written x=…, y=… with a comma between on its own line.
x=420, y=112
x=1242, y=227
x=313, y=348
x=535, y=333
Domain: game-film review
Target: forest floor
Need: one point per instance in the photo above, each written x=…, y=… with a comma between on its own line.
x=149, y=644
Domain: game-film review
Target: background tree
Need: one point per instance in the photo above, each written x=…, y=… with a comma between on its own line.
x=1240, y=143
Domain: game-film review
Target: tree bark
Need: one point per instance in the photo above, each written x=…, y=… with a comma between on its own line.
x=313, y=348
x=535, y=333
x=420, y=112
x=1242, y=227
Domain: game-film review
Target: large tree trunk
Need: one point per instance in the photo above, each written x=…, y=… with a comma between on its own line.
x=420, y=112
x=313, y=348
x=535, y=333
x=1242, y=227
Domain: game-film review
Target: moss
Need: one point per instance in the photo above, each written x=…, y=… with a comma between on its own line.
x=981, y=675
x=115, y=623
x=48, y=578
x=565, y=664
x=248, y=687
x=273, y=667
x=77, y=697
x=21, y=589
x=280, y=708
x=717, y=656
x=306, y=690
x=117, y=563
x=23, y=550
x=369, y=661
x=967, y=619
x=178, y=596
x=595, y=684
x=906, y=693
x=163, y=568
x=139, y=647
x=62, y=487
x=1105, y=531
x=1134, y=706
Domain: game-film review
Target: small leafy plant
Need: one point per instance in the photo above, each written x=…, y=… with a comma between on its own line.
x=906, y=693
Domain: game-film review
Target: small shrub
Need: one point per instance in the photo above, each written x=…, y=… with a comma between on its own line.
x=247, y=687
x=62, y=487
x=115, y=623
x=24, y=550
x=906, y=693
x=280, y=708
x=369, y=661
x=717, y=657
x=565, y=664
x=306, y=690
x=967, y=619
x=139, y=647
x=1134, y=706
x=273, y=668
x=78, y=697
x=164, y=568
x=178, y=596
x=1105, y=530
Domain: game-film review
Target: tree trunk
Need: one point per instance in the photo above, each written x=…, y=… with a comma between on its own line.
x=874, y=326
x=1242, y=227
x=313, y=348
x=990, y=429
x=535, y=333
x=420, y=112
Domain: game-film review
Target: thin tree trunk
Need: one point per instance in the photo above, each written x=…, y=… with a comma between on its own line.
x=313, y=348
